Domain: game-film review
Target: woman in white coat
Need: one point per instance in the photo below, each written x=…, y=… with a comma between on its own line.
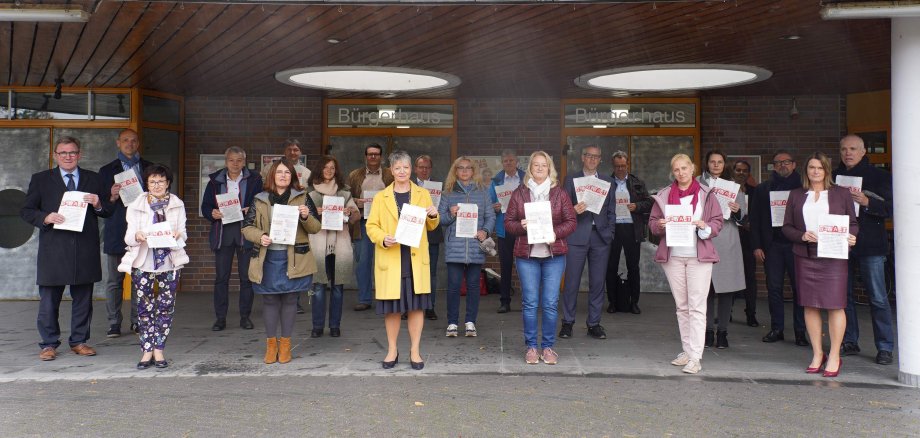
x=728, y=274
x=155, y=266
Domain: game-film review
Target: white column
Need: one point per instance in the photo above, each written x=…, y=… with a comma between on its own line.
x=905, y=160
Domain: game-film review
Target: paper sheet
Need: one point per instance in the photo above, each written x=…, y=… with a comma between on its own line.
x=503, y=192
x=778, y=207
x=539, y=217
x=333, y=213
x=467, y=219
x=368, y=200
x=434, y=189
x=622, y=203
x=726, y=191
x=833, y=231
x=854, y=183
x=592, y=191
x=160, y=236
x=230, y=208
x=284, y=224
x=129, y=186
x=679, y=226
x=411, y=225
x=73, y=208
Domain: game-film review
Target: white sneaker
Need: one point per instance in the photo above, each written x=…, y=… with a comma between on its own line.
x=693, y=366
x=681, y=359
x=452, y=331
x=470, y=330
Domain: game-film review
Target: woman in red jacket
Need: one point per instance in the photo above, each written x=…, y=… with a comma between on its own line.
x=688, y=267
x=540, y=264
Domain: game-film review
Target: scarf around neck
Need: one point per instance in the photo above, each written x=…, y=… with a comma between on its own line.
x=539, y=191
x=779, y=183
x=275, y=198
x=131, y=161
x=676, y=193
x=158, y=205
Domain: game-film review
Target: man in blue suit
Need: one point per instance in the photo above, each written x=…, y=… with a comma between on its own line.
x=591, y=242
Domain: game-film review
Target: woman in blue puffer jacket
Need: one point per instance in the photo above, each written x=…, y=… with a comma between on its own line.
x=464, y=188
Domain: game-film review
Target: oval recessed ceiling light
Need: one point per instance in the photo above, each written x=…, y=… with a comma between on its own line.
x=367, y=78
x=673, y=77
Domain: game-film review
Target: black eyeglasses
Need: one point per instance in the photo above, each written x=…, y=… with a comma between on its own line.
x=783, y=162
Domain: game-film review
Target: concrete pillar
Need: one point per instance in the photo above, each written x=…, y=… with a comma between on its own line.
x=905, y=160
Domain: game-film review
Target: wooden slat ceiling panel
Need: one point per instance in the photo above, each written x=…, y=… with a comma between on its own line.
x=497, y=50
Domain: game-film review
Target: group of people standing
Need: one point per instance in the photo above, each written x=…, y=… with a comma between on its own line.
x=704, y=275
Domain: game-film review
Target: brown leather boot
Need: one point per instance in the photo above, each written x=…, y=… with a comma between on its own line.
x=284, y=350
x=271, y=350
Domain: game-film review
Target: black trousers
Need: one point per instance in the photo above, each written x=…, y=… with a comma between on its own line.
x=223, y=259
x=506, y=261
x=49, y=310
x=624, y=239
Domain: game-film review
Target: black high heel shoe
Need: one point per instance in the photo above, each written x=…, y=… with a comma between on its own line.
x=144, y=364
x=161, y=363
x=417, y=365
x=387, y=365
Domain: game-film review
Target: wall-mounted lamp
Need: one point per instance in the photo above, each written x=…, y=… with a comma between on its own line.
x=58, y=83
x=794, y=112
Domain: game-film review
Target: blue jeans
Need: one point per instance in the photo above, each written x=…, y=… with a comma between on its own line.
x=780, y=262
x=872, y=270
x=319, y=305
x=434, y=251
x=364, y=266
x=456, y=273
x=540, y=279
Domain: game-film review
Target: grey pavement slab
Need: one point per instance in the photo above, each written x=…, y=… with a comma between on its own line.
x=638, y=346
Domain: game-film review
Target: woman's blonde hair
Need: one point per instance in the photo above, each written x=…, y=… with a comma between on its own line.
x=451, y=179
x=684, y=157
x=825, y=164
x=553, y=176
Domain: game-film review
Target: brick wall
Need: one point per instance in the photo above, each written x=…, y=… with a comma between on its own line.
x=737, y=125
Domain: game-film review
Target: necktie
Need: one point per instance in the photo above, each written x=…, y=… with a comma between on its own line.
x=70, y=185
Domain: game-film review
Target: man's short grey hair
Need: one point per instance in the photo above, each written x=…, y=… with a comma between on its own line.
x=619, y=154
x=400, y=156
x=235, y=150
x=509, y=152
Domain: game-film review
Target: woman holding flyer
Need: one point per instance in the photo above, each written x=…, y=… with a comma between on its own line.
x=332, y=245
x=541, y=216
x=686, y=218
x=278, y=223
x=399, y=217
x=821, y=273
x=469, y=218
x=156, y=240
x=728, y=274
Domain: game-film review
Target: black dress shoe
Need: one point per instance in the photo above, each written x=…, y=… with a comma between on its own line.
x=773, y=336
x=849, y=349
x=801, y=339
x=316, y=333
x=387, y=365
x=611, y=308
x=417, y=365
x=246, y=323
x=335, y=332
x=430, y=315
x=504, y=308
x=883, y=358
x=144, y=364
x=752, y=321
x=709, y=339
x=135, y=328
x=114, y=331
x=161, y=363
x=360, y=307
x=300, y=310
x=566, y=331
x=634, y=309
x=219, y=325
x=597, y=332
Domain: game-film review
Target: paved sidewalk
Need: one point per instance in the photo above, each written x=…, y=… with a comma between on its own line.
x=638, y=346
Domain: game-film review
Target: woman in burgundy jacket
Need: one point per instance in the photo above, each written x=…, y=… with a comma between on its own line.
x=821, y=281
x=540, y=265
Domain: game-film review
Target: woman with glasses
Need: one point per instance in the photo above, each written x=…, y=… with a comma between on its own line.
x=540, y=265
x=464, y=187
x=279, y=271
x=151, y=264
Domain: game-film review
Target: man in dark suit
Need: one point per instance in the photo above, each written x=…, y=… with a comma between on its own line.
x=435, y=237
x=591, y=242
x=65, y=257
x=113, y=236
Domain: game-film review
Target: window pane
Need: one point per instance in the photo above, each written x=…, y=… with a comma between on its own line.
x=350, y=150
x=97, y=145
x=651, y=157
x=159, y=110
x=162, y=146
x=30, y=106
x=111, y=106
x=436, y=147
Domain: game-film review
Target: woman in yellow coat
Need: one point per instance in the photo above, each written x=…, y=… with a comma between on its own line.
x=401, y=272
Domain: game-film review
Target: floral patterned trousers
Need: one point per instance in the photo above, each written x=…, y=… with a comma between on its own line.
x=155, y=312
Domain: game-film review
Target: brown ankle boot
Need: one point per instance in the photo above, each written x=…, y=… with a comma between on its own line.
x=284, y=350
x=271, y=350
